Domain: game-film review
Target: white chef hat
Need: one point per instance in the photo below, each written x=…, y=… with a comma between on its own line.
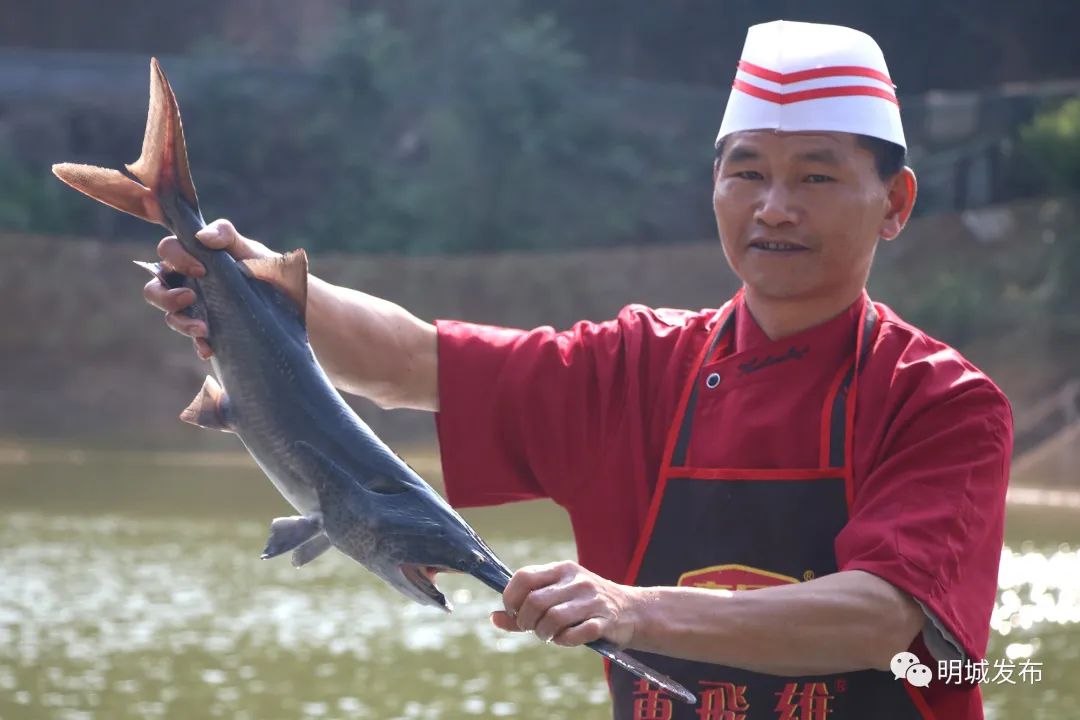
x=804, y=76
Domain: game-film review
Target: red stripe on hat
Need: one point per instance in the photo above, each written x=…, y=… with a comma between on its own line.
x=815, y=94
x=813, y=74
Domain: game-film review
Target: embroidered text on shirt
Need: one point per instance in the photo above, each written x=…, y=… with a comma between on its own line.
x=793, y=353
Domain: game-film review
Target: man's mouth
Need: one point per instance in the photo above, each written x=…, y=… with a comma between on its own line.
x=777, y=246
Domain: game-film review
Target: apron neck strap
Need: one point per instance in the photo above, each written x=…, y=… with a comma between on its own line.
x=682, y=442
x=842, y=413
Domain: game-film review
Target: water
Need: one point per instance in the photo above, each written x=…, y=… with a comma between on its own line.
x=130, y=587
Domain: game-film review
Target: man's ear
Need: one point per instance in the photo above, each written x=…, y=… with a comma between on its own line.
x=715, y=170
x=902, y=189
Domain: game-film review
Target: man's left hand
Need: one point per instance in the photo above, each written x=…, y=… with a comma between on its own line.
x=566, y=604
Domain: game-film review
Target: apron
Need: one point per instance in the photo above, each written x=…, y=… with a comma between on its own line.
x=753, y=527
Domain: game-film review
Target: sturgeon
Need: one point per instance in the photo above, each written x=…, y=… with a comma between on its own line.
x=351, y=492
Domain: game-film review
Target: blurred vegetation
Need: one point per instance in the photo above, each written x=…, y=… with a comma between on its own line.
x=1023, y=271
x=931, y=45
x=429, y=128
x=1052, y=142
x=479, y=132
x=965, y=295
x=33, y=201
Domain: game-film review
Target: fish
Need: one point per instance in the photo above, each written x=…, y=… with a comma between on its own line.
x=352, y=492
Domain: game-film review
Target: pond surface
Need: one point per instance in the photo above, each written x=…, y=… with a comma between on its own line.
x=131, y=587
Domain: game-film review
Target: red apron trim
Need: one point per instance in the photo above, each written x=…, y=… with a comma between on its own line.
x=920, y=702
x=849, y=421
x=824, y=473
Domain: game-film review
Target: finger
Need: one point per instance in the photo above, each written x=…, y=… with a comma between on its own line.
x=202, y=348
x=155, y=293
x=170, y=300
x=219, y=235
x=185, y=325
x=504, y=621
x=524, y=583
x=583, y=632
x=541, y=602
x=177, y=258
x=527, y=579
x=222, y=235
x=562, y=616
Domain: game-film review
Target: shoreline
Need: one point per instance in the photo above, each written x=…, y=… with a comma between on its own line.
x=424, y=458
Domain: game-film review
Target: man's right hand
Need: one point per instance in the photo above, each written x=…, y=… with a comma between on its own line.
x=219, y=235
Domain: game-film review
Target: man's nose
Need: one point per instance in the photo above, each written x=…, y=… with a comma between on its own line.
x=776, y=207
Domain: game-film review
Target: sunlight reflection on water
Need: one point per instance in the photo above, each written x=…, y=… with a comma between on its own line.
x=1037, y=588
x=115, y=616
x=1036, y=621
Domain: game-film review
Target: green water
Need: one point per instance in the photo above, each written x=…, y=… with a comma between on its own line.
x=130, y=587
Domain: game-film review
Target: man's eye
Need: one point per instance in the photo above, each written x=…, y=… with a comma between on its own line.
x=748, y=174
x=819, y=179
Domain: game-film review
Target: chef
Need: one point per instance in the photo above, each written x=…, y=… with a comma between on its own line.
x=775, y=498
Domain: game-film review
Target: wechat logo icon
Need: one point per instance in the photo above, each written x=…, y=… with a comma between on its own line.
x=906, y=666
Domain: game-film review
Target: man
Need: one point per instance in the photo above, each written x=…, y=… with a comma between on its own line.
x=770, y=500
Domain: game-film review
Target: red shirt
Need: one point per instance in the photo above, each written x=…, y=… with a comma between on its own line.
x=581, y=416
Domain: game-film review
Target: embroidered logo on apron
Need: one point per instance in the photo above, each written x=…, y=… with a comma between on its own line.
x=733, y=577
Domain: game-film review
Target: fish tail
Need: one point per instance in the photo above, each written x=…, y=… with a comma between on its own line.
x=158, y=185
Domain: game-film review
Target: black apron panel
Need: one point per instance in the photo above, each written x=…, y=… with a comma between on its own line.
x=758, y=523
x=781, y=525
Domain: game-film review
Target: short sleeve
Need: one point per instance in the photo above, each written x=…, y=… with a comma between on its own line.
x=530, y=414
x=929, y=517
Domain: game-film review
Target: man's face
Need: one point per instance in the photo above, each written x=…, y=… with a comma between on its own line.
x=799, y=214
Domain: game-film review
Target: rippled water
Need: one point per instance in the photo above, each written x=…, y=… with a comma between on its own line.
x=132, y=588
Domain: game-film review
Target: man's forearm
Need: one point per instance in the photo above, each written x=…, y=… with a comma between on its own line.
x=838, y=623
x=372, y=347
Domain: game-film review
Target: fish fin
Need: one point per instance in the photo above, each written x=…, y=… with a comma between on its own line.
x=210, y=408
x=288, y=274
x=163, y=163
x=162, y=176
x=169, y=278
x=172, y=280
x=289, y=533
x=113, y=188
x=310, y=550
